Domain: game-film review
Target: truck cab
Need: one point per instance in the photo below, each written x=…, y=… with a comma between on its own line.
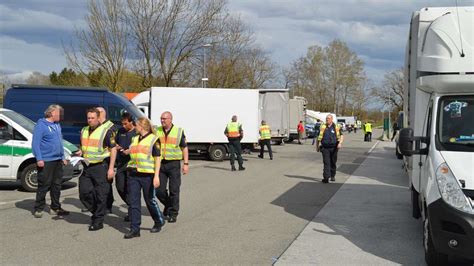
x=438, y=138
x=17, y=163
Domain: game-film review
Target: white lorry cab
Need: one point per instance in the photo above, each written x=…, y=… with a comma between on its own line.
x=17, y=162
x=438, y=140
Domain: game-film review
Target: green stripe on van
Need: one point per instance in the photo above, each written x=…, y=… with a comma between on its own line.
x=17, y=151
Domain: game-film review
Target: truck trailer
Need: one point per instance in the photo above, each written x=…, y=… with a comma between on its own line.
x=274, y=109
x=438, y=140
x=204, y=115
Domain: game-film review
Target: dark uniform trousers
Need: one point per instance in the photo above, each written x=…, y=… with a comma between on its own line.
x=93, y=191
x=49, y=179
x=170, y=173
x=121, y=178
x=137, y=183
x=235, y=148
x=329, y=161
x=263, y=143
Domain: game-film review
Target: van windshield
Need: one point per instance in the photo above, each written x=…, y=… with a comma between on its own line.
x=455, y=125
x=20, y=120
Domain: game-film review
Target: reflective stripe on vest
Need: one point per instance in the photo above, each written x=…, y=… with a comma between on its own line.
x=233, y=130
x=92, y=144
x=141, y=154
x=265, y=132
x=322, y=128
x=170, y=149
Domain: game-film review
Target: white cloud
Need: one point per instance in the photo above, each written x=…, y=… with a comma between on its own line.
x=19, y=56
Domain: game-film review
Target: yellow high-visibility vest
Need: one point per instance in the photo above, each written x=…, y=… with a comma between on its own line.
x=265, y=132
x=233, y=130
x=170, y=149
x=92, y=144
x=322, y=128
x=368, y=127
x=141, y=154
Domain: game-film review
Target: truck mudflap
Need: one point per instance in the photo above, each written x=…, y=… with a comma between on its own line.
x=452, y=231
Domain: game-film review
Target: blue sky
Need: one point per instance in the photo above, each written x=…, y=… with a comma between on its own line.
x=31, y=31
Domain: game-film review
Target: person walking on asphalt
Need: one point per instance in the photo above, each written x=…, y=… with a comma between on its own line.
x=110, y=125
x=395, y=128
x=123, y=140
x=300, y=129
x=368, y=131
x=174, y=149
x=329, y=142
x=144, y=170
x=47, y=147
x=234, y=134
x=265, y=139
x=97, y=144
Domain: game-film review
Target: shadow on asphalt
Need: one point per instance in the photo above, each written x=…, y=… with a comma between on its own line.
x=305, y=178
x=227, y=169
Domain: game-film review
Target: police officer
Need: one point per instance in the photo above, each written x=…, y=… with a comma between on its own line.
x=265, y=139
x=173, y=150
x=368, y=131
x=234, y=134
x=123, y=139
x=143, y=174
x=109, y=125
x=97, y=144
x=329, y=142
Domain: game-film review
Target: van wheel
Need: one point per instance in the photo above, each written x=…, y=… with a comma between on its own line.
x=217, y=152
x=28, y=178
x=432, y=257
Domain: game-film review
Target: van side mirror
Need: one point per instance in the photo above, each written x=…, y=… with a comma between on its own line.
x=406, y=140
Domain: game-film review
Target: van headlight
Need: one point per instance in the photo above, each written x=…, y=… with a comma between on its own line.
x=450, y=190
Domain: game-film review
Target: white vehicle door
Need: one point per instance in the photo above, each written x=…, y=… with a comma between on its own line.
x=6, y=149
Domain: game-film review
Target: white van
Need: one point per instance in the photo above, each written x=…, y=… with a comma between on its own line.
x=17, y=162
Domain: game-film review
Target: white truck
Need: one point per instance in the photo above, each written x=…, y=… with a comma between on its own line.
x=17, y=162
x=297, y=107
x=274, y=109
x=439, y=138
x=204, y=114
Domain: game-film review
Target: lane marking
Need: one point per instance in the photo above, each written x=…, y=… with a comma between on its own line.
x=373, y=147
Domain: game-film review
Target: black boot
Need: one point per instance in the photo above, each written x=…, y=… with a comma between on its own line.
x=233, y=168
x=131, y=234
x=241, y=168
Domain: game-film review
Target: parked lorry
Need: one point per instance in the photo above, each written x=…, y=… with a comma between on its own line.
x=439, y=138
x=32, y=100
x=204, y=115
x=17, y=163
x=274, y=109
x=297, y=107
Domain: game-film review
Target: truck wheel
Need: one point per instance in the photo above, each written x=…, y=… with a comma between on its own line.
x=28, y=178
x=217, y=152
x=432, y=257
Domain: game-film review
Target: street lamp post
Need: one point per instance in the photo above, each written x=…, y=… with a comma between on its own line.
x=204, y=74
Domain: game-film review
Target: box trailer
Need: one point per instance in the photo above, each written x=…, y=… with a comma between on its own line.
x=204, y=115
x=297, y=107
x=439, y=138
x=274, y=109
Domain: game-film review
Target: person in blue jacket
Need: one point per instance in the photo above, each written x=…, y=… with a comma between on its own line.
x=48, y=150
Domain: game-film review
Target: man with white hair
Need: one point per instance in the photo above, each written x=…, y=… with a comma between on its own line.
x=48, y=150
x=329, y=142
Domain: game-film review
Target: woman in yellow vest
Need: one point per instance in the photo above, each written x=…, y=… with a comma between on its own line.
x=143, y=175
